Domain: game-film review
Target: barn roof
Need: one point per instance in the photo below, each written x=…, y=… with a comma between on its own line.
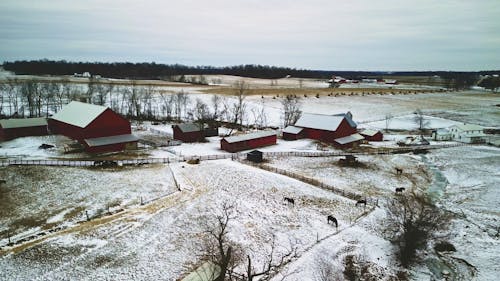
x=190, y=127
x=292, y=130
x=349, y=139
x=78, y=113
x=469, y=127
x=250, y=136
x=111, y=140
x=23, y=122
x=369, y=133
x=323, y=122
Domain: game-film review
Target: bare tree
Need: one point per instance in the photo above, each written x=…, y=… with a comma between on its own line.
x=260, y=116
x=239, y=108
x=412, y=221
x=419, y=119
x=291, y=110
x=216, y=103
x=12, y=90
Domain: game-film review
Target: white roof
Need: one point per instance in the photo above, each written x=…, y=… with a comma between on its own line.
x=349, y=139
x=111, y=140
x=23, y=122
x=370, y=133
x=319, y=121
x=292, y=130
x=78, y=113
x=251, y=136
x=469, y=127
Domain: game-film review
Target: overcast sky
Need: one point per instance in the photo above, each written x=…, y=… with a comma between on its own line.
x=312, y=34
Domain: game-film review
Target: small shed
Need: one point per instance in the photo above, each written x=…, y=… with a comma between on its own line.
x=255, y=156
x=349, y=141
x=248, y=141
x=293, y=133
x=372, y=135
x=191, y=132
x=441, y=135
x=111, y=143
x=15, y=128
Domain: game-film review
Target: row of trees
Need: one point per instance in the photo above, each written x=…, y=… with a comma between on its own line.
x=32, y=98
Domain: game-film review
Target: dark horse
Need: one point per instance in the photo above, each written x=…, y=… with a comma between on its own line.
x=399, y=171
x=289, y=200
x=332, y=219
x=361, y=202
x=400, y=189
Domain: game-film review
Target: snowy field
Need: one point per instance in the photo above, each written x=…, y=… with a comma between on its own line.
x=163, y=239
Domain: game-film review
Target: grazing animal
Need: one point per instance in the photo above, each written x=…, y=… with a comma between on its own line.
x=399, y=171
x=332, y=219
x=400, y=189
x=361, y=202
x=289, y=200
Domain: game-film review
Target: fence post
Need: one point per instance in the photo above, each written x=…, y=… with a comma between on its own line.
x=87, y=215
x=142, y=203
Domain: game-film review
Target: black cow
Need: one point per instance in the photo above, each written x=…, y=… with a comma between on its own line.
x=289, y=200
x=400, y=189
x=361, y=202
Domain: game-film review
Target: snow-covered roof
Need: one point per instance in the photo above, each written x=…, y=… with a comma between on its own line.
x=369, y=133
x=349, y=139
x=468, y=127
x=111, y=140
x=24, y=122
x=443, y=131
x=292, y=130
x=323, y=122
x=189, y=127
x=78, y=113
x=250, y=136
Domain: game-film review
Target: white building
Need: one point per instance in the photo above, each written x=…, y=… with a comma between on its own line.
x=441, y=135
x=468, y=133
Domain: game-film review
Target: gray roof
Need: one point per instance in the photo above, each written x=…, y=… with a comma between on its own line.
x=468, y=127
x=111, y=140
x=78, y=113
x=189, y=127
x=250, y=136
x=292, y=130
x=349, y=139
x=323, y=122
x=370, y=133
x=21, y=123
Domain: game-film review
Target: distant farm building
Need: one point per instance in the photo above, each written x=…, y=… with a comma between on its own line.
x=248, y=141
x=350, y=141
x=468, y=133
x=15, y=128
x=327, y=128
x=97, y=128
x=190, y=132
x=372, y=135
x=293, y=133
x=441, y=135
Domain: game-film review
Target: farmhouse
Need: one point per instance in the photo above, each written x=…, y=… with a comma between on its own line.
x=15, y=128
x=248, y=141
x=97, y=128
x=326, y=128
x=468, y=133
x=190, y=132
x=372, y=135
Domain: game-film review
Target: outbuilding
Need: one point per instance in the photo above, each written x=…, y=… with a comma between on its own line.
x=248, y=141
x=372, y=135
x=191, y=132
x=255, y=156
x=293, y=133
x=15, y=128
x=89, y=124
x=349, y=141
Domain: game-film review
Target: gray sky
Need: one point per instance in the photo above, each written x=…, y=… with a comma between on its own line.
x=313, y=34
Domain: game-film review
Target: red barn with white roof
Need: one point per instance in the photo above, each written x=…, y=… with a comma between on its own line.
x=248, y=141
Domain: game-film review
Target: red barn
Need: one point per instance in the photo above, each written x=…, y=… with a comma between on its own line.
x=293, y=133
x=248, y=141
x=372, y=135
x=83, y=122
x=190, y=132
x=349, y=141
x=326, y=128
x=15, y=128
